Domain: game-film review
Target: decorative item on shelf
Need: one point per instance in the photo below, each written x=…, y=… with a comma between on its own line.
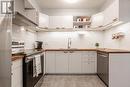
x=119, y=35
x=75, y=26
x=57, y=27
x=79, y=19
x=81, y=22
x=85, y=19
x=80, y=26
x=97, y=45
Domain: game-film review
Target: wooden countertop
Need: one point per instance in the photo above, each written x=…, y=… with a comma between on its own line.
x=99, y=49
x=113, y=50
x=16, y=57
x=70, y=50
x=20, y=56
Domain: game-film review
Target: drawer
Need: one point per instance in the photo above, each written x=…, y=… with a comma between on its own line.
x=89, y=59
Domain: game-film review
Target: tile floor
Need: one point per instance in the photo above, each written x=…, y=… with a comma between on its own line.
x=72, y=81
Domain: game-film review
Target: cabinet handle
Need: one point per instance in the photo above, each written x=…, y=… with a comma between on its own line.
x=65, y=52
x=71, y=51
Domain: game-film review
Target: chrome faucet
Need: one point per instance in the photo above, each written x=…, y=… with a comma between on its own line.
x=69, y=43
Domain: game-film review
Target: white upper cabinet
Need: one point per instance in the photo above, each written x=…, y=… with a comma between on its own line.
x=19, y=6
x=97, y=20
x=116, y=13
x=61, y=22
x=43, y=20
x=111, y=13
x=118, y=10
x=32, y=15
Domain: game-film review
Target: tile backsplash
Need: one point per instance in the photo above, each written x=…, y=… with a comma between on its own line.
x=19, y=33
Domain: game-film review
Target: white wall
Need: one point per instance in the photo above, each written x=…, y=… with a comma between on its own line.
x=59, y=39
x=73, y=12
x=19, y=34
x=123, y=43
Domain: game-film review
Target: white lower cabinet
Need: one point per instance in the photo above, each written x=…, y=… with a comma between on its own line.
x=71, y=62
x=89, y=62
x=62, y=63
x=75, y=62
x=50, y=62
x=17, y=75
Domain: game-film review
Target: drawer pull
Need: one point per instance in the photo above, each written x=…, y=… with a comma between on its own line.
x=65, y=52
x=71, y=51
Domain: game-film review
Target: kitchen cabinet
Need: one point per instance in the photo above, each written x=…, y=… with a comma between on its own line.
x=61, y=22
x=71, y=62
x=43, y=20
x=50, y=62
x=75, y=62
x=17, y=74
x=19, y=6
x=118, y=10
x=119, y=69
x=116, y=13
x=62, y=63
x=89, y=62
x=32, y=15
x=111, y=13
x=97, y=20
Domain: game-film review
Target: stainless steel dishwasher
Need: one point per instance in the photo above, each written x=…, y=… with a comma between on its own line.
x=103, y=66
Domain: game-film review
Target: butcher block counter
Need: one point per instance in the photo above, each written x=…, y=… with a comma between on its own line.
x=16, y=57
x=27, y=52
x=98, y=49
x=32, y=51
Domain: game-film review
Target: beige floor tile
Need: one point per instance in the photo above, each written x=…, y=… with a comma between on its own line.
x=72, y=81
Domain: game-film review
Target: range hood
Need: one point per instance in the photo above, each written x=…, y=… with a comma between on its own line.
x=21, y=20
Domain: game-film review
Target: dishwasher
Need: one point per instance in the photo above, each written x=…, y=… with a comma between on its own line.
x=103, y=66
x=28, y=79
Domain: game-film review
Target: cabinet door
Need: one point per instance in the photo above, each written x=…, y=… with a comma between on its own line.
x=89, y=62
x=55, y=22
x=50, y=62
x=75, y=62
x=61, y=62
x=97, y=20
x=67, y=21
x=111, y=12
x=17, y=75
x=43, y=20
x=61, y=22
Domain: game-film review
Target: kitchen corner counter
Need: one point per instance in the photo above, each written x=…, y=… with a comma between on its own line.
x=16, y=57
x=27, y=52
x=113, y=50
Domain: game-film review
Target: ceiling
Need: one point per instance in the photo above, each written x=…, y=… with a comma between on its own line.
x=61, y=4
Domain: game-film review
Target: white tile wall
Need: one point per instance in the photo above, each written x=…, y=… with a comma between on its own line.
x=123, y=43
x=20, y=34
x=60, y=39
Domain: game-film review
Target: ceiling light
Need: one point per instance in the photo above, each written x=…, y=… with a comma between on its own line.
x=71, y=1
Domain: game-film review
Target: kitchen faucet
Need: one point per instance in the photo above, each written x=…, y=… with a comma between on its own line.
x=69, y=43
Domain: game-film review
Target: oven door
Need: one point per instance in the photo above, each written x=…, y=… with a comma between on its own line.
x=28, y=79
